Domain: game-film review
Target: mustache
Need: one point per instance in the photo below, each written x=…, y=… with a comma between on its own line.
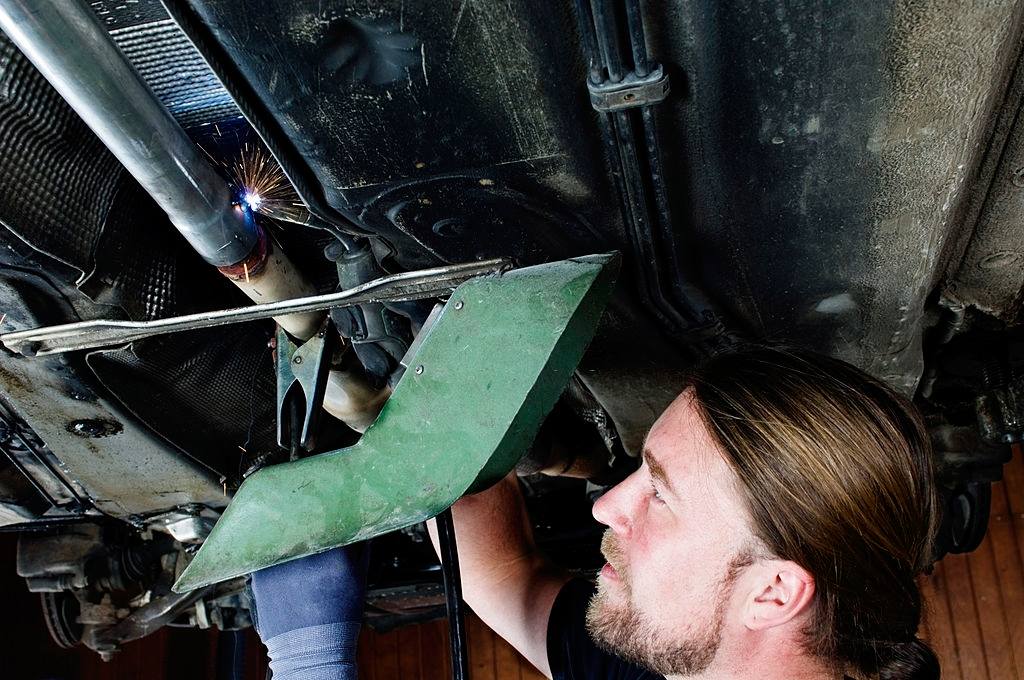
x=612, y=552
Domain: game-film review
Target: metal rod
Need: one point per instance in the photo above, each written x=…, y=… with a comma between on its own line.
x=608, y=38
x=65, y=40
x=633, y=212
x=453, y=595
x=40, y=459
x=636, y=197
x=585, y=21
x=415, y=285
x=294, y=426
x=640, y=180
x=637, y=40
x=616, y=128
x=690, y=298
x=50, y=522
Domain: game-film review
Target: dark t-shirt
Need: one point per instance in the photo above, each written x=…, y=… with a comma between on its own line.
x=571, y=652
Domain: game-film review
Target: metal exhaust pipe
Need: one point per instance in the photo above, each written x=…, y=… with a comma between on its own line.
x=69, y=45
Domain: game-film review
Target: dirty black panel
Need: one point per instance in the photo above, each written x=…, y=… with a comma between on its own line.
x=822, y=155
x=210, y=392
x=58, y=180
x=380, y=97
x=117, y=14
x=780, y=99
x=819, y=155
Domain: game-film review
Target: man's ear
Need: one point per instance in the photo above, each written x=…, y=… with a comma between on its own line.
x=781, y=591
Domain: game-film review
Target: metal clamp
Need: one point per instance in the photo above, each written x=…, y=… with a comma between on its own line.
x=301, y=381
x=630, y=92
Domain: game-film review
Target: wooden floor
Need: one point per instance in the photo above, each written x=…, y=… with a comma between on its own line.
x=421, y=653
x=975, y=622
x=976, y=601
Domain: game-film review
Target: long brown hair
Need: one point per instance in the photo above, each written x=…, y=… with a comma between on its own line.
x=836, y=469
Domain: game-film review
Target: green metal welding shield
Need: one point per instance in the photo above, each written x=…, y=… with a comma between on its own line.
x=487, y=373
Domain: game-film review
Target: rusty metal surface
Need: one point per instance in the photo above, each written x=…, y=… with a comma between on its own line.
x=125, y=470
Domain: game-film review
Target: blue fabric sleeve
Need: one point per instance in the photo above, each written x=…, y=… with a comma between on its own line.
x=308, y=613
x=323, y=652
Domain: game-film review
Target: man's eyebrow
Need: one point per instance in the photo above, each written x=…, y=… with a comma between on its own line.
x=657, y=471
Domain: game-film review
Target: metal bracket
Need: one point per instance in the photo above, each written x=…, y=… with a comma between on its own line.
x=630, y=92
x=301, y=368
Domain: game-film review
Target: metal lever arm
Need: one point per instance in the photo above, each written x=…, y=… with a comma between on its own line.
x=416, y=285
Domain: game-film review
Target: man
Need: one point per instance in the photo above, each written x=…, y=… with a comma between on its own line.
x=774, y=529
x=782, y=510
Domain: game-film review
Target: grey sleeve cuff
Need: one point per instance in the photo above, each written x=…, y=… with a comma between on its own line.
x=324, y=652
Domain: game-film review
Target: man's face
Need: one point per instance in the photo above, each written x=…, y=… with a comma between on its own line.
x=678, y=537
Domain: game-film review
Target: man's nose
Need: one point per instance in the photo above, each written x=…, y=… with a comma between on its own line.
x=615, y=508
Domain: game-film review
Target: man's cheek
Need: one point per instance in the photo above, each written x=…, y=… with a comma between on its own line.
x=651, y=583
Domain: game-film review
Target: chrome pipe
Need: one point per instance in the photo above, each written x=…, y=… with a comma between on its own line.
x=69, y=45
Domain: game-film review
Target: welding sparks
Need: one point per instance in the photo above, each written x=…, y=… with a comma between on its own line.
x=260, y=184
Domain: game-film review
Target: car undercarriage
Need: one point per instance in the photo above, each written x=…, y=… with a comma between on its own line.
x=847, y=178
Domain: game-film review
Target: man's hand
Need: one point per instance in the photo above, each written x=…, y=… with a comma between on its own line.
x=504, y=578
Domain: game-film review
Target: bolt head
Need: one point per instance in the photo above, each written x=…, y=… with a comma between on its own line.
x=297, y=360
x=419, y=370
x=459, y=305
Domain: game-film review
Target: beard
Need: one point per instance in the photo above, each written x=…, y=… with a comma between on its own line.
x=619, y=628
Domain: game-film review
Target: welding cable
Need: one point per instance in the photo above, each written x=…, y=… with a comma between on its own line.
x=453, y=595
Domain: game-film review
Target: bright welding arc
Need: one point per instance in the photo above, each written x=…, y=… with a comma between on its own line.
x=259, y=183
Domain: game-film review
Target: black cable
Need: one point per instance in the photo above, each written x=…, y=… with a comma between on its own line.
x=453, y=595
x=585, y=21
x=636, y=38
x=639, y=177
x=230, y=655
x=608, y=38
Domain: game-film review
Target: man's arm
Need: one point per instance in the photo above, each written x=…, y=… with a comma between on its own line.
x=308, y=613
x=504, y=578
